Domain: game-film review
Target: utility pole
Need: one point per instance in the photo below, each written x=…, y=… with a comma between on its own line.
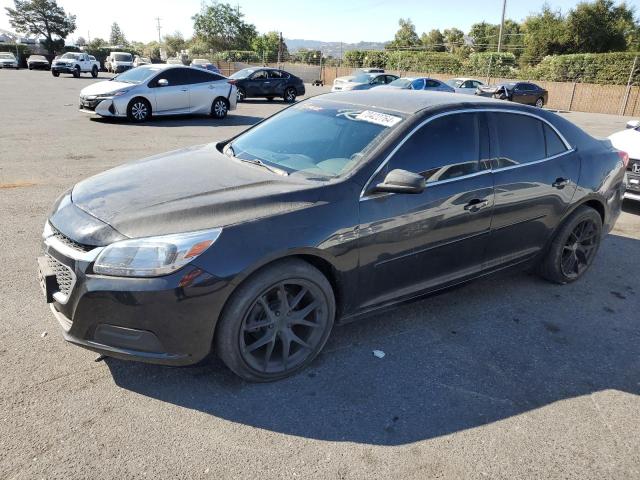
x=159, y=27
x=504, y=8
x=280, y=50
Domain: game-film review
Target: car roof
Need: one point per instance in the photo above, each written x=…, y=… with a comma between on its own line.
x=410, y=101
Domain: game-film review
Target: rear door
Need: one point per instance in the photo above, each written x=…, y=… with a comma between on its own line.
x=204, y=87
x=410, y=243
x=535, y=175
x=276, y=83
x=173, y=98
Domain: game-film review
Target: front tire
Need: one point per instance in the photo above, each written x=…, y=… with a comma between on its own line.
x=573, y=248
x=94, y=72
x=277, y=322
x=219, y=108
x=55, y=74
x=290, y=95
x=138, y=110
x=76, y=72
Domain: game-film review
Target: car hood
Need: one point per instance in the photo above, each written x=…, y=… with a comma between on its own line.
x=344, y=79
x=627, y=141
x=186, y=190
x=106, y=86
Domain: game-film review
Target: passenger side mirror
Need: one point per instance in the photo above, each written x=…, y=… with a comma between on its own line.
x=402, y=181
x=163, y=82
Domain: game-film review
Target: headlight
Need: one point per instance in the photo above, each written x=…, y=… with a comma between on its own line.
x=111, y=95
x=154, y=256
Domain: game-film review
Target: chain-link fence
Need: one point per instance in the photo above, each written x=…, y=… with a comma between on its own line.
x=607, y=83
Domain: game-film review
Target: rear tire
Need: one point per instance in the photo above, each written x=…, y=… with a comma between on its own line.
x=241, y=94
x=139, y=110
x=276, y=322
x=55, y=74
x=540, y=102
x=94, y=72
x=573, y=248
x=219, y=108
x=290, y=95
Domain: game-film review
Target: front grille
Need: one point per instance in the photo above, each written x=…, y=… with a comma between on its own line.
x=634, y=165
x=64, y=277
x=70, y=243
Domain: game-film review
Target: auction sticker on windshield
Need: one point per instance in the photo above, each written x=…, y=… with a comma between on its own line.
x=378, y=118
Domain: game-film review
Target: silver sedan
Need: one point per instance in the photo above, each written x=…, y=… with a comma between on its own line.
x=420, y=83
x=156, y=90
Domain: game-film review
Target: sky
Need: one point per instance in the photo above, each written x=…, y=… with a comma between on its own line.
x=326, y=20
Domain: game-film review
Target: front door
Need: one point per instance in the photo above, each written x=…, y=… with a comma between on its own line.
x=411, y=243
x=257, y=84
x=172, y=98
x=535, y=176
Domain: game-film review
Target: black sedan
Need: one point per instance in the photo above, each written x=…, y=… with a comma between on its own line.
x=254, y=247
x=519, y=92
x=267, y=83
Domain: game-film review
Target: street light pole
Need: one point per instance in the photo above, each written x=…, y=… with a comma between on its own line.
x=504, y=8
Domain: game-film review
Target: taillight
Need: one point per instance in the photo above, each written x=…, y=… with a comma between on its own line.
x=232, y=81
x=624, y=156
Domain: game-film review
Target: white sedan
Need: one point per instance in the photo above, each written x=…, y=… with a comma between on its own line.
x=628, y=141
x=156, y=90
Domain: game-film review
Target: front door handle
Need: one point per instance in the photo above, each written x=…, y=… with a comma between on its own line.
x=560, y=183
x=476, y=204
x=184, y=89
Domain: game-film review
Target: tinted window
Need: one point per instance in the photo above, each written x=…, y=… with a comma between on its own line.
x=554, y=144
x=275, y=74
x=379, y=80
x=202, y=76
x=446, y=148
x=390, y=78
x=418, y=84
x=432, y=84
x=520, y=139
x=259, y=75
x=175, y=76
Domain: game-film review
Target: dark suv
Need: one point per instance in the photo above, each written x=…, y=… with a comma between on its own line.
x=267, y=83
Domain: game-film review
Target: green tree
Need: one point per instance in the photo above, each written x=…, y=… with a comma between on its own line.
x=267, y=46
x=406, y=35
x=174, y=43
x=44, y=18
x=484, y=36
x=600, y=26
x=80, y=41
x=117, y=36
x=453, y=39
x=433, y=41
x=222, y=27
x=96, y=44
x=545, y=33
x=151, y=50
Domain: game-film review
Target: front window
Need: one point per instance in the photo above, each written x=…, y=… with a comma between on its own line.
x=71, y=55
x=137, y=75
x=401, y=83
x=365, y=78
x=244, y=73
x=331, y=137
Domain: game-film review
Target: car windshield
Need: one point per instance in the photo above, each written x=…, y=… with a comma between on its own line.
x=37, y=57
x=401, y=82
x=70, y=55
x=362, y=78
x=244, y=73
x=122, y=57
x=331, y=138
x=137, y=75
x=7, y=55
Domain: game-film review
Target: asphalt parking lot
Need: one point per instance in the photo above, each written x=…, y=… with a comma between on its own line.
x=507, y=377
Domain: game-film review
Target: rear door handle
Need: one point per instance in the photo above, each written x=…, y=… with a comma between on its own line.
x=476, y=204
x=560, y=183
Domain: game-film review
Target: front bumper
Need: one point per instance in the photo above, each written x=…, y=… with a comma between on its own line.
x=105, y=107
x=167, y=320
x=9, y=65
x=63, y=68
x=121, y=68
x=632, y=182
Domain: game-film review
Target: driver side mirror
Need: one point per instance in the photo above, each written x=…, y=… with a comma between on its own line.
x=163, y=82
x=401, y=181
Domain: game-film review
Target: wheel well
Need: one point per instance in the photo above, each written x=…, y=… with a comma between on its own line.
x=329, y=272
x=141, y=98
x=597, y=206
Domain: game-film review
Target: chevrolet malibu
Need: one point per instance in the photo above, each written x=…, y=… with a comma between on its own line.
x=157, y=90
x=254, y=247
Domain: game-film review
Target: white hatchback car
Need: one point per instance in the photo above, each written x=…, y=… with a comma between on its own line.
x=628, y=141
x=156, y=90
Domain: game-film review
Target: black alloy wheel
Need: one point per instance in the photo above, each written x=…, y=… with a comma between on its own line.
x=277, y=322
x=573, y=248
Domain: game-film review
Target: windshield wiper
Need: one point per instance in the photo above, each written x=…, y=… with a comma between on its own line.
x=256, y=161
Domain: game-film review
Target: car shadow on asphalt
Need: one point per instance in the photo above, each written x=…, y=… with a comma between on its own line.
x=631, y=206
x=496, y=348
x=186, y=121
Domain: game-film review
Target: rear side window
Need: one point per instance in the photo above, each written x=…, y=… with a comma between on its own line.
x=519, y=138
x=555, y=145
x=432, y=84
x=275, y=74
x=418, y=84
x=202, y=76
x=446, y=148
